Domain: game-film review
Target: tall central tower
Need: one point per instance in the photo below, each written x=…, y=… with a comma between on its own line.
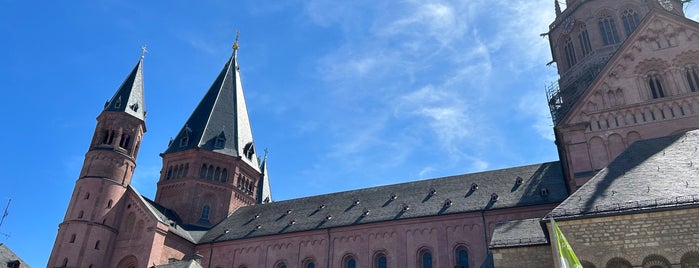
x=211, y=167
x=628, y=71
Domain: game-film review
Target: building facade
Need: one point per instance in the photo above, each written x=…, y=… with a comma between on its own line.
x=628, y=72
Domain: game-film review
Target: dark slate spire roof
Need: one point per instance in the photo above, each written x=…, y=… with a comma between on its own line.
x=264, y=194
x=651, y=174
x=505, y=188
x=129, y=97
x=220, y=122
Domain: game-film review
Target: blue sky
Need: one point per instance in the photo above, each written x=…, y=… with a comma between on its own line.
x=344, y=95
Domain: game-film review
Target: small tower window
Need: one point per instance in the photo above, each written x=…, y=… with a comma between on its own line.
x=80, y=214
x=202, y=172
x=425, y=259
x=693, y=78
x=97, y=245
x=570, y=53
x=169, y=173
x=210, y=173
x=205, y=212
x=124, y=142
x=584, y=40
x=630, y=20
x=217, y=174
x=109, y=204
x=72, y=238
x=461, y=257
x=656, y=86
x=607, y=28
x=87, y=196
x=224, y=175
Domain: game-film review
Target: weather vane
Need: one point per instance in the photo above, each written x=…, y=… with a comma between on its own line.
x=144, y=50
x=235, y=45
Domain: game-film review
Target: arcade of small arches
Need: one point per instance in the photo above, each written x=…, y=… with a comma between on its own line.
x=380, y=259
x=688, y=260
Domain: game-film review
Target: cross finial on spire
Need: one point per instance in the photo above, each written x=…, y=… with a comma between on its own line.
x=235, y=45
x=144, y=50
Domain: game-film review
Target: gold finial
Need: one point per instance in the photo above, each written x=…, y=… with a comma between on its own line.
x=235, y=45
x=144, y=50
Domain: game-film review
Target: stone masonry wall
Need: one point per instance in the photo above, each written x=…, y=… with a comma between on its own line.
x=531, y=256
x=667, y=234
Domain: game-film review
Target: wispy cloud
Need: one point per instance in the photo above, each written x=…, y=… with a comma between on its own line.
x=473, y=52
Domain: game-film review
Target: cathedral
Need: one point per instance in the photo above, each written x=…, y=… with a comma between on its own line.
x=624, y=191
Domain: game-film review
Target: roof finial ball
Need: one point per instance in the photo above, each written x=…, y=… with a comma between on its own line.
x=235, y=45
x=144, y=50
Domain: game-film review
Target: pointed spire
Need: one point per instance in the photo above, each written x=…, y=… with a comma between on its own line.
x=558, y=8
x=220, y=122
x=264, y=191
x=129, y=97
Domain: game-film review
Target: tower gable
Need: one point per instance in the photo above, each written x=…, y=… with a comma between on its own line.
x=647, y=89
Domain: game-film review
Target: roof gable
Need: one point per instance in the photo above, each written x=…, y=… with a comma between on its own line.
x=623, y=64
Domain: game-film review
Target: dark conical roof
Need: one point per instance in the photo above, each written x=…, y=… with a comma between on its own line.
x=220, y=122
x=129, y=97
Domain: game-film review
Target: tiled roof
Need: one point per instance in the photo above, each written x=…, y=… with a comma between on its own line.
x=650, y=174
x=220, y=121
x=518, y=233
x=7, y=256
x=129, y=97
x=450, y=195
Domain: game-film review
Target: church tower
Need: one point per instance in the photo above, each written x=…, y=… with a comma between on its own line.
x=211, y=167
x=628, y=71
x=86, y=235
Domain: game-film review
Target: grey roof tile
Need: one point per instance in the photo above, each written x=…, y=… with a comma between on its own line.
x=129, y=97
x=650, y=174
x=376, y=205
x=518, y=233
x=220, y=121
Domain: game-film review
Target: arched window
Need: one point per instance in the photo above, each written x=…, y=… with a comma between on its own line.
x=584, y=40
x=109, y=203
x=202, y=172
x=380, y=261
x=618, y=263
x=425, y=259
x=280, y=265
x=124, y=142
x=224, y=175
x=570, y=53
x=690, y=259
x=217, y=174
x=80, y=214
x=693, y=78
x=169, y=173
x=461, y=257
x=186, y=170
x=65, y=262
x=656, y=86
x=655, y=261
x=629, y=18
x=72, y=238
x=349, y=262
x=309, y=263
x=205, y=212
x=97, y=245
x=607, y=28
x=210, y=173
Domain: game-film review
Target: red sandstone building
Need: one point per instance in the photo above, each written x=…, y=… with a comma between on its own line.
x=628, y=71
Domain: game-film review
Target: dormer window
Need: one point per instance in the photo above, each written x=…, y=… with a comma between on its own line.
x=134, y=107
x=519, y=180
x=249, y=150
x=220, y=141
x=117, y=103
x=184, y=139
x=494, y=197
x=474, y=187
